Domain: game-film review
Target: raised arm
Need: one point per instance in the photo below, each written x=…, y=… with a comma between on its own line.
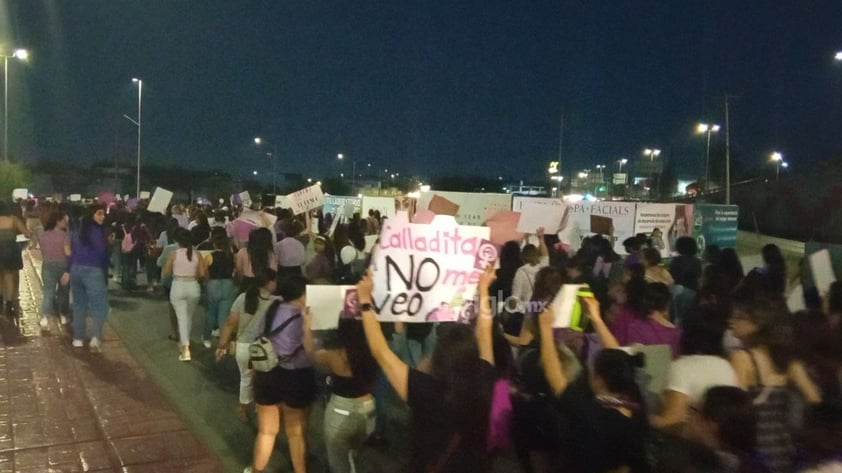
x=397, y=372
x=543, y=251
x=605, y=335
x=549, y=356
x=485, y=320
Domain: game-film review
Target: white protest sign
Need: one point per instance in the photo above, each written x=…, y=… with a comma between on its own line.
x=306, y=199
x=160, y=200
x=126, y=198
x=429, y=272
x=474, y=208
x=795, y=299
x=329, y=303
x=144, y=194
x=370, y=240
x=281, y=202
x=664, y=224
x=257, y=218
x=587, y=218
x=268, y=219
x=75, y=197
x=658, y=359
x=245, y=198
x=20, y=194
x=563, y=306
x=538, y=212
x=822, y=269
x=384, y=205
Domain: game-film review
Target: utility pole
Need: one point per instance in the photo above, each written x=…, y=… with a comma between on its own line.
x=560, y=146
x=728, y=151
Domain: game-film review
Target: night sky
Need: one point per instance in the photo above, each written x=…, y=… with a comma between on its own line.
x=422, y=87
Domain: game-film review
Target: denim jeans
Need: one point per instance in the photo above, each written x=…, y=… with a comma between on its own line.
x=90, y=294
x=54, y=292
x=184, y=297
x=348, y=422
x=221, y=294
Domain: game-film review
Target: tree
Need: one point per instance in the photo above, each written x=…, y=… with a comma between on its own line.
x=13, y=176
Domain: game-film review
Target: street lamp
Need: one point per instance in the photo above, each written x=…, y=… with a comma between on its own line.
x=340, y=157
x=838, y=56
x=652, y=153
x=138, y=123
x=274, y=154
x=21, y=54
x=778, y=159
x=705, y=128
x=621, y=162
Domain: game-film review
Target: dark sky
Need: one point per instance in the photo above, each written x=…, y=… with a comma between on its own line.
x=422, y=87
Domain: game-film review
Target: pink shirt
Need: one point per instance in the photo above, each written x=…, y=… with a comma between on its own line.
x=242, y=259
x=52, y=246
x=182, y=267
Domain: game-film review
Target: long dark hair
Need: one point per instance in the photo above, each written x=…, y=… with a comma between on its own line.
x=731, y=409
x=616, y=368
x=53, y=220
x=636, y=289
x=351, y=337
x=775, y=268
x=261, y=279
x=774, y=324
x=221, y=242
x=182, y=237
x=456, y=366
x=258, y=248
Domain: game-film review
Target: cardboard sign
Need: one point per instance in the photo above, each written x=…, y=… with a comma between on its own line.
x=144, y=194
x=330, y=303
x=474, y=208
x=429, y=272
x=384, y=205
x=20, y=194
x=342, y=206
x=441, y=206
x=538, y=212
x=306, y=199
x=257, y=218
x=160, y=200
x=503, y=226
x=370, y=240
x=822, y=269
x=578, y=223
x=75, y=197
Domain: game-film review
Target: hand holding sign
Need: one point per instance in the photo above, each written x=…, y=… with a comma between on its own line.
x=365, y=287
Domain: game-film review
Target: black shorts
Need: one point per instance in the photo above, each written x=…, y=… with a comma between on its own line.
x=294, y=388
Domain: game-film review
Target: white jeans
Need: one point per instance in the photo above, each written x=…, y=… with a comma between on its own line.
x=184, y=297
x=246, y=375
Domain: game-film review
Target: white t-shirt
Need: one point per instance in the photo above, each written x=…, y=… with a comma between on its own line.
x=524, y=280
x=693, y=375
x=251, y=325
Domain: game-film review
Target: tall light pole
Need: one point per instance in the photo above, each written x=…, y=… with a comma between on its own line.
x=139, y=124
x=341, y=157
x=705, y=128
x=621, y=162
x=653, y=153
x=259, y=141
x=21, y=54
x=778, y=159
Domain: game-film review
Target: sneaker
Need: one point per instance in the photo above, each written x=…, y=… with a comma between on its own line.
x=44, y=323
x=206, y=343
x=185, y=355
x=95, y=345
x=78, y=343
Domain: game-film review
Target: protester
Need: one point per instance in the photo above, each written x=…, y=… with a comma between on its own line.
x=187, y=268
x=766, y=368
x=771, y=277
x=655, y=271
x=290, y=251
x=285, y=393
x=258, y=255
x=245, y=324
x=534, y=258
x=349, y=414
x=319, y=270
x=450, y=406
x=10, y=257
x=651, y=326
x=89, y=277
x=350, y=263
x=221, y=289
x=55, y=275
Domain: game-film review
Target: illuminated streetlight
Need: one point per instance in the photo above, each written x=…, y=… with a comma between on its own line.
x=705, y=128
x=621, y=162
x=139, y=124
x=274, y=155
x=652, y=153
x=341, y=157
x=778, y=159
x=838, y=56
x=21, y=54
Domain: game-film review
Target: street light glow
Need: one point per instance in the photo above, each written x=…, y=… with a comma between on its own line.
x=785, y=164
x=257, y=140
x=21, y=54
x=340, y=156
x=838, y=56
x=624, y=161
x=776, y=156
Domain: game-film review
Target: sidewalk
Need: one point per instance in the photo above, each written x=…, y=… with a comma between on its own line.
x=65, y=409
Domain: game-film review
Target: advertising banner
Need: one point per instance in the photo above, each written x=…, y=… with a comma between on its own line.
x=342, y=206
x=715, y=225
x=429, y=272
x=610, y=219
x=664, y=224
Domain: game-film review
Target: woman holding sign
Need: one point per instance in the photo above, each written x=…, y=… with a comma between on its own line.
x=450, y=406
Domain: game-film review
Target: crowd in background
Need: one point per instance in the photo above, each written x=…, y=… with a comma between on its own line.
x=751, y=386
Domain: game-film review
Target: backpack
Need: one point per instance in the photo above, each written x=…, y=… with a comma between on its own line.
x=128, y=242
x=262, y=356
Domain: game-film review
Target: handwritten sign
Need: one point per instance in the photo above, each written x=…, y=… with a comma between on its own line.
x=75, y=197
x=144, y=194
x=160, y=200
x=306, y=199
x=342, y=206
x=429, y=272
x=539, y=212
x=20, y=194
x=281, y=202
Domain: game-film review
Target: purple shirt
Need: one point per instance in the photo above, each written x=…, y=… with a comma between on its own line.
x=650, y=332
x=52, y=246
x=93, y=252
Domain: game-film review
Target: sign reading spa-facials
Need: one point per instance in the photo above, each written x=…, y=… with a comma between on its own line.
x=429, y=272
